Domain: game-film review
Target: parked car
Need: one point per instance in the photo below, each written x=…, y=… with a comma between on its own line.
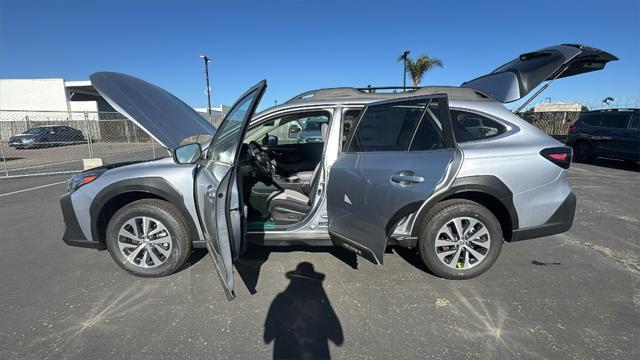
x=48, y=135
x=612, y=133
x=401, y=176
x=311, y=130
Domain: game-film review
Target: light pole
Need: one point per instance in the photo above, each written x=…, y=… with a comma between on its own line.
x=207, y=60
x=404, y=73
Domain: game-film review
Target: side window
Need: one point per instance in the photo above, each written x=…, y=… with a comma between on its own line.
x=615, y=120
x=469, y=126
x=290, y=129
x=387, y=127
x=590, y=119
x=635, y=122
x=348, y=119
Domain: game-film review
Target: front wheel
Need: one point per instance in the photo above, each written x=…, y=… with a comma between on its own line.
x=459, y=239
x=148, y=238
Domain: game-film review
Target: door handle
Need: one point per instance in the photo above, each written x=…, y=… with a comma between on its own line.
x=406, y=178
x=211, y=192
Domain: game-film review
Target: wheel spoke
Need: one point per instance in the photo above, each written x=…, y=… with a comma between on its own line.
x=444, y=254
x=471, y=227
x=443, y=242
x=156, y=260
x=458, y=224
x=467, y=264
x=135, y=252
x=162, y=250
x=145, y=226
x=162, y=240
x=159, y=228
x=475, y=254
x=143, y=261
x=134, y=226
x=456, y=257
x=479, y=233
x=484, y=244
x=128, y=234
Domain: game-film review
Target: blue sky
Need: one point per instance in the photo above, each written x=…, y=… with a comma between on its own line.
x=303, y=45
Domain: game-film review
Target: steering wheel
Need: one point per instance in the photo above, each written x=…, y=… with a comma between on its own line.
x=261, y=158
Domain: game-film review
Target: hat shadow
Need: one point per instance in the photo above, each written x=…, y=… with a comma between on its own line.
x=301, y=321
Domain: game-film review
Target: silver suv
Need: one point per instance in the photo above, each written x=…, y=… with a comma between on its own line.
x=446, y=170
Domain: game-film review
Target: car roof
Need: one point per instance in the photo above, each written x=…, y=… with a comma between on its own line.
x=607, y=111
x=363, y=96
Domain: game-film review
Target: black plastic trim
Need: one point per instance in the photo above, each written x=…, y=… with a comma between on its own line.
x=156, y=186
x=73, y=235
x=560, y=222
x=486, y=184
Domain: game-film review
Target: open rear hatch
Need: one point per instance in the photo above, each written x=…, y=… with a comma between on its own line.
x=517, y=78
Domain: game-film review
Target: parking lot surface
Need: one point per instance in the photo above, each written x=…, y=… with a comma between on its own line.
x=574, y=295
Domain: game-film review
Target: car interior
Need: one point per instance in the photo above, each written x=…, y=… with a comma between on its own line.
x=280, y=170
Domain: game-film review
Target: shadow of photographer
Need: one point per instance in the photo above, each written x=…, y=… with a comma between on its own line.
x=301, y=320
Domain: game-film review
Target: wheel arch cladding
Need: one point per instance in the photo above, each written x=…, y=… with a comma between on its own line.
x=113, y=197
x=486, y=190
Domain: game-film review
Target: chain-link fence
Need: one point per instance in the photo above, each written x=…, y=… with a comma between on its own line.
x=50, y=142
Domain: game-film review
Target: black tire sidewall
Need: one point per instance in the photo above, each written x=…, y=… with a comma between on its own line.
x=169, y=218
x=445, y=213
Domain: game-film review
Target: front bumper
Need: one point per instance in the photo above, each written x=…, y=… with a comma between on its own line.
x=73, y=235
x=559, y=222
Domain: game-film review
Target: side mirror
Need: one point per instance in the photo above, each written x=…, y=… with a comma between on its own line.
x=270, y=140
x=187, y=154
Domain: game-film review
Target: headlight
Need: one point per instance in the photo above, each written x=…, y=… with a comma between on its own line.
x=27, y=140
x=83, y=178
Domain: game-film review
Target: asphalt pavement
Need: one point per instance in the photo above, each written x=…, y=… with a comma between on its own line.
x=574, y=295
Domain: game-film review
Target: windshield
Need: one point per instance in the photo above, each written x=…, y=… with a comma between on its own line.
x=313, y=125
x=225, y=143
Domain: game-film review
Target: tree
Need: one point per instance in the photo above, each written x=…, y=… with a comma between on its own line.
x=416, y=69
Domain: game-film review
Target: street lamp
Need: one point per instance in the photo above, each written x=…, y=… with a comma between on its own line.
x=207, y=60
x=404, y=73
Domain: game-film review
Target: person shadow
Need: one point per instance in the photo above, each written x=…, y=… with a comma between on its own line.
x=301, y=320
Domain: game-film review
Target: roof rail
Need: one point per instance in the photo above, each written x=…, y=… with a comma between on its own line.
x=342, y=92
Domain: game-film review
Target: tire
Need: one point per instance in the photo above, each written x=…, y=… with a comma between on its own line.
x=170, y=252
x=582, y=151
x=469, y=213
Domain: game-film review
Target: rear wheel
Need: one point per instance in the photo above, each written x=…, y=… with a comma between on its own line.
x=459, y=239
x=582, y=151
x=148, y=238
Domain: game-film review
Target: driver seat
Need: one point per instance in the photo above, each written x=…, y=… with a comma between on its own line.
x=306, y=176
x=290, y=206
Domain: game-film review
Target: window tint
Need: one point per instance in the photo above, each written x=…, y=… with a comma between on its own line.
x=635, y=122
x=590, y=119
x=429, y=135
x=348, y=119
x=387, y=127
x=469, y=126
x=304, y=127
x=615, y=120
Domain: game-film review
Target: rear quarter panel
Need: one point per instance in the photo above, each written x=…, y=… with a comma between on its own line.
x=538, y=186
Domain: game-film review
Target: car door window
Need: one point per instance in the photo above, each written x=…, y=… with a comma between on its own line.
x=224, y=146
x=635, y=122
x=387, y=127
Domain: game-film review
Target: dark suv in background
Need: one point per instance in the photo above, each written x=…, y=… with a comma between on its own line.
x=611, y=133
x=47, y=135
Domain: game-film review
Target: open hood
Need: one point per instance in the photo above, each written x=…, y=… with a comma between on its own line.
x=162, y=115
x=517, y=78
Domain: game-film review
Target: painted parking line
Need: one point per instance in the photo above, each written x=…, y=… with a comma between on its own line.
x=33, y=188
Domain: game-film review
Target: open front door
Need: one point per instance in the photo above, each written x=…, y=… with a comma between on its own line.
x=218, y=189
x=396, y=157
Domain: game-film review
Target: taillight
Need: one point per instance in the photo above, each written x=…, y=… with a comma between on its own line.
x=572, y=128
x=560, y=156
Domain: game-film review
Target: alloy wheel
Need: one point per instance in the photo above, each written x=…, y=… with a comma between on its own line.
x=462, y=243
x=145, y=242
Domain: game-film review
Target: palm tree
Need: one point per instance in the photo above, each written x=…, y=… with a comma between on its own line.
x=421, y=65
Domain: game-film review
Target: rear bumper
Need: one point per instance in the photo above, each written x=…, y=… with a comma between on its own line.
x=73, y=235
x=559, y=222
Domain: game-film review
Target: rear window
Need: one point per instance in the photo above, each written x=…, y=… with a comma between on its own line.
x=470, y=126
x=635, y=122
